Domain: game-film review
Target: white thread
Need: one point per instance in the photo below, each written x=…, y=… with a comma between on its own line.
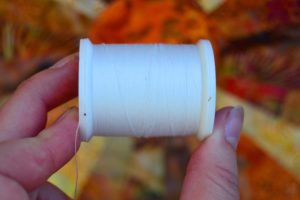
x=76, y=162
x=146, y=90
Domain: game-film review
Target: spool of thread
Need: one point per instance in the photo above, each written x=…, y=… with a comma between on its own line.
x=146, y=90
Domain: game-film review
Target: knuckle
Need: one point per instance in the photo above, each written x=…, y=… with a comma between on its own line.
x=227, y=180
x=44, y=161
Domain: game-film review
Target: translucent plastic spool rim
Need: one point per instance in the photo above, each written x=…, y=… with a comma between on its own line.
x=208, y=96
x=85, y=89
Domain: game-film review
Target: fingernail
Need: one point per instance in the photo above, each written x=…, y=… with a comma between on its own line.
x=71, y=111
x=65, y=60
x=233, y=127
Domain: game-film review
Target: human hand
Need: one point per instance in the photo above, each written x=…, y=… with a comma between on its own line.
x=212, y=171
x=29, y=152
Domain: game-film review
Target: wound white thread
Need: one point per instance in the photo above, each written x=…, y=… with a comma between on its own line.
x=146, y=90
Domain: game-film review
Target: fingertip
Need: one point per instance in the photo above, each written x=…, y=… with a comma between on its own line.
x=61, y=136
x=233, y=126
x=70, y=114
x=68, y=123
x=212, y=169
x=228, y=125
x=38, y=95
x=220, y=117
x=66, y=61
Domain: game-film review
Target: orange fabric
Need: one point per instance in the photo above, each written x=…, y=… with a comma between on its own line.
x=144, y=21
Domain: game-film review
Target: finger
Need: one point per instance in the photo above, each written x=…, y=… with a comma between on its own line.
x=25, y=113
x=10, y=189
x=48, y=192
x=31, y=161
x=212, y=171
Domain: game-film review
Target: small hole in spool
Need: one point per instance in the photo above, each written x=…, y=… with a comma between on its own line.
x=84, y=114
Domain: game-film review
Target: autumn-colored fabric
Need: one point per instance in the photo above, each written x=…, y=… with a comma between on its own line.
x=145, y=21
x=263, y=74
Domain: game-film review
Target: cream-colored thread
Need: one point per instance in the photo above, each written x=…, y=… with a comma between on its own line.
x=157, y=77
x=76, y=163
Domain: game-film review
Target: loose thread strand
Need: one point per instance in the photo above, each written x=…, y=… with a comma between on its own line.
x=76, y=163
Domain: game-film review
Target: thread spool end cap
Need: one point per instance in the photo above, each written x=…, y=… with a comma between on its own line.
x=208, y=109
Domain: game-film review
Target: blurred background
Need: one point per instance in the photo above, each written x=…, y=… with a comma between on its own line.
x=257, y=50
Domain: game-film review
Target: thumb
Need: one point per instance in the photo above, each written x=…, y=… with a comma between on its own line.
x=212, y=171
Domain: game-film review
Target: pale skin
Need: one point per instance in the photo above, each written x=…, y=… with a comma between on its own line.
x=31, y=153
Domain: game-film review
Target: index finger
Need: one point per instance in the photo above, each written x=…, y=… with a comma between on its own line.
x=25, y=114
x=31, y=161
